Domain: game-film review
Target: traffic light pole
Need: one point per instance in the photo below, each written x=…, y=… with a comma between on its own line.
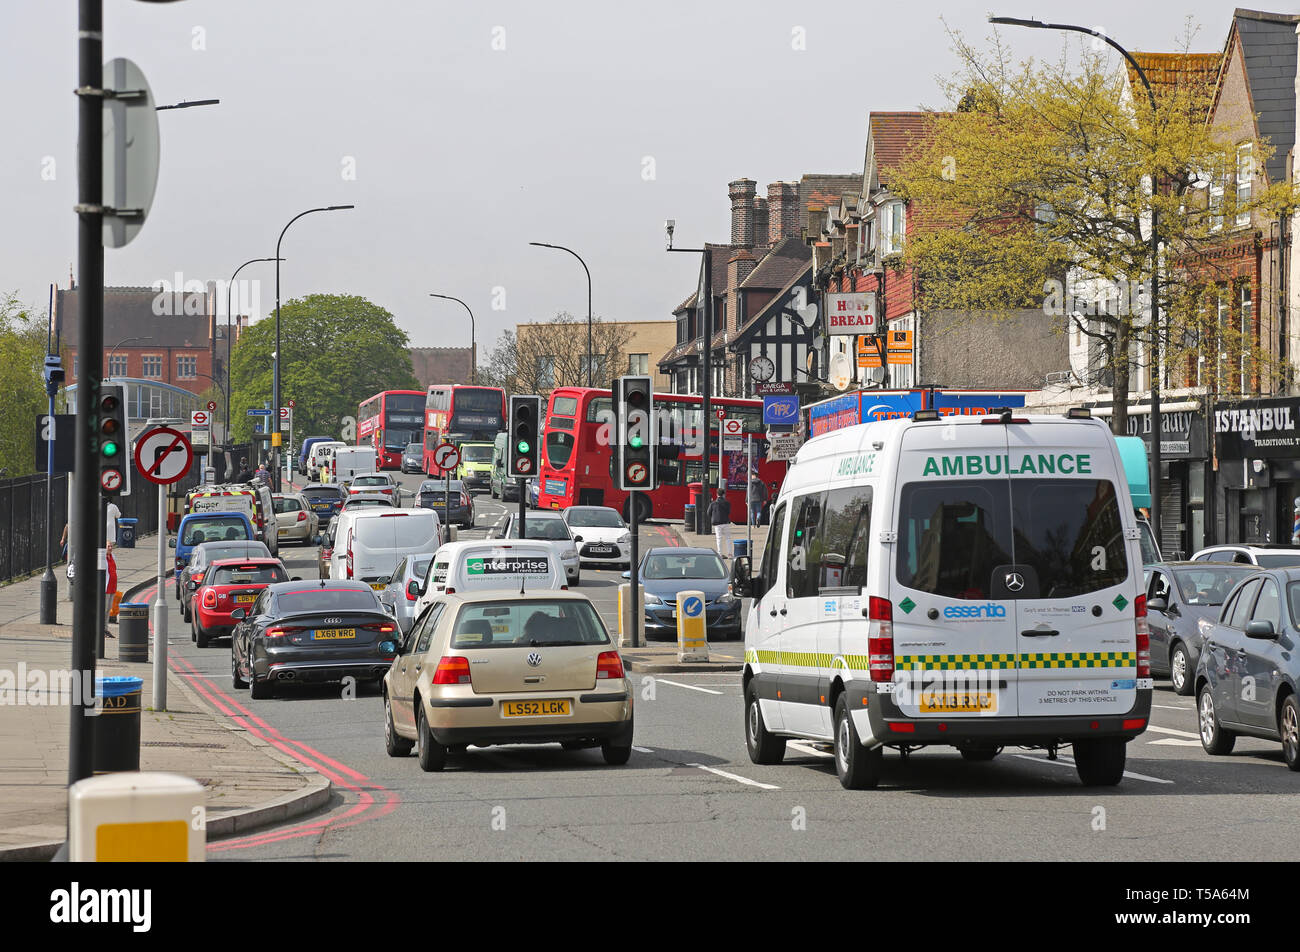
x=523, y=508
x=86, y=524
x=634, y=573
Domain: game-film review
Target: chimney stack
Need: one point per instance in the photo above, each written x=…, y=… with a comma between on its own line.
x=783, y=211
x=762, y=233
x=742, y=192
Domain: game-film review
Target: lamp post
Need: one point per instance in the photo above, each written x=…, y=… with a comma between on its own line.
x=1156, y=433
x=275, y=396
x=473, y=354
x=542, y=244
x=229, y=286
x=188, y=105
x=706, y=356
x=126, y=340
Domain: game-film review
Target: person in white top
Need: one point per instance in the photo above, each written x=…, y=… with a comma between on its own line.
x=110, y=538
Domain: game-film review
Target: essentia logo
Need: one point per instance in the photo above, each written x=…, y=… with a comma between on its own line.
x=987, y=610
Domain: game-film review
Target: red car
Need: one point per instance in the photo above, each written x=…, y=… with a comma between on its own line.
x=227, y=585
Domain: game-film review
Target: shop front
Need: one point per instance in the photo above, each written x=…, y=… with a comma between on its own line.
x=1258, y=447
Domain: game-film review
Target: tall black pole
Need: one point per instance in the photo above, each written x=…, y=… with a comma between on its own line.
x=49, y=585
x=542, y=244
x=275, y=367
x=1156, y=424
x=473, y=354
x=86, y=522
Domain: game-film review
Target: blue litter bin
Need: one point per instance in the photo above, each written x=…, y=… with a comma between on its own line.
x=126, y=533
x=739, y=547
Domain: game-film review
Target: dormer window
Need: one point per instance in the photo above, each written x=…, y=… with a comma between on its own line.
x=893, y=227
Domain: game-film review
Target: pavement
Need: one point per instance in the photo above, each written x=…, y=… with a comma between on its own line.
x=249, y=783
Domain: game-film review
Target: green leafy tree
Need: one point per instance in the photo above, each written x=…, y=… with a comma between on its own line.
x=22, y=358
x=338, y=349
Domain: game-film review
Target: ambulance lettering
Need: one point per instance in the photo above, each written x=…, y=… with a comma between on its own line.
x=997, y=464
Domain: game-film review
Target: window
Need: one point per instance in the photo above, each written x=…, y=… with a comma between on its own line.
x=805, y=548
x=1240, y=608
x=1267, y=606
x=187, y=367
x=773, y=551
x=638, y=364
x=1216, y=201
x=427, y=626
x=893, y=227
x=1245, y=179
x=846, y=539
x=597, y=369
x=1247, y=333
x=524, y=623
x=545, y=373
x=117, y=365
x=152, y=365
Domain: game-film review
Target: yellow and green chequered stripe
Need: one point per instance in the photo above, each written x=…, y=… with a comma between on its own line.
x=973, y=662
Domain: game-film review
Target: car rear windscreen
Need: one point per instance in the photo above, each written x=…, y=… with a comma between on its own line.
x=396, y=532
x=248, y=575
x=287, y=505
x=538, y=528
x=327, y=600
x=952, y=535
x=223, y=528
x=528, y=623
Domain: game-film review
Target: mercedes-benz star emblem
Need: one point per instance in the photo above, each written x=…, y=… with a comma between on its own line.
x=1015, y=581
x=534, y=659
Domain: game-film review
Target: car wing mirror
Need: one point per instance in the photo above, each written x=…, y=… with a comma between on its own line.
x=239, y=614
x=414, y=589
x=1158, y=605
x=171, y=543
x=1260, y=629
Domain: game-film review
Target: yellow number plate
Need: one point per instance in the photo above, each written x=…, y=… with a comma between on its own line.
x=378, y=586
x=552, y=707
x=245, y=599
x=959, y=702
x=334, y=634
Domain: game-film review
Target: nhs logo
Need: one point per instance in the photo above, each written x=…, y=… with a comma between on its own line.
x=987, y=610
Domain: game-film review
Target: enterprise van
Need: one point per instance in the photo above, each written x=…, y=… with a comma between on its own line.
x=475, y=565
x=965, y=581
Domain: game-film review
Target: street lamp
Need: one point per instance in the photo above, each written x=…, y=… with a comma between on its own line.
x=228, y=341
x=706, y=356
x=1155, y=254
x=275, y=397
x=542, y=244
x=114, y=351
x=183, y=104
x=473, y=354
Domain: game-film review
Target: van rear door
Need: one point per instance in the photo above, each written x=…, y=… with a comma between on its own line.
x=1075, y=615
x=954, y=627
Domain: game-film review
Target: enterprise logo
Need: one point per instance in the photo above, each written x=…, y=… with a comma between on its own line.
x=988, y=610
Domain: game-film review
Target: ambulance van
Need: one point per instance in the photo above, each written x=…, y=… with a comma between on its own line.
x=974, y=582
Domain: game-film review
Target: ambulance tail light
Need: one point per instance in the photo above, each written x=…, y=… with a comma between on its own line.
x=1143, y=637
x=880, y=639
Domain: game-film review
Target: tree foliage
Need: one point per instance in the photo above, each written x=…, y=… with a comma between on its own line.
x=1040, y=180
x=338, y=349
x=22, y=359
x=537, y=358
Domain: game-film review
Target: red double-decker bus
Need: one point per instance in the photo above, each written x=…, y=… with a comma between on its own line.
x=578, y=433
x=460, y=413
x=390, y=421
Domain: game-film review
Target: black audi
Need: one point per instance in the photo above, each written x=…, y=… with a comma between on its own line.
x=311, y=632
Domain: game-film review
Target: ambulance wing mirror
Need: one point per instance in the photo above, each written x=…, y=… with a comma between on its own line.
x=741, y=582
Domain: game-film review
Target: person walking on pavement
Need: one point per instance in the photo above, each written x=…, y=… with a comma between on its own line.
x=757, y=498
x=720, y=519
x=110, y=538
x=245, y=475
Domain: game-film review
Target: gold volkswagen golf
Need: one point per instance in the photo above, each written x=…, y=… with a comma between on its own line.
x=499, y=667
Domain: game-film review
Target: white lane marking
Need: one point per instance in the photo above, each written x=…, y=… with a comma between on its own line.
x=1067, y=762
x=644, y=750
x=1176, y=742
x=1170, y=730
x=808, y=750
x=736, y=777
x=1173, y=707
x=689, y=687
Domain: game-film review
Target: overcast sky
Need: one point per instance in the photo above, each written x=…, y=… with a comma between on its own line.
x=462, y=131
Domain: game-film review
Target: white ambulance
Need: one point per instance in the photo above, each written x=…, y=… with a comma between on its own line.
x=966, y=581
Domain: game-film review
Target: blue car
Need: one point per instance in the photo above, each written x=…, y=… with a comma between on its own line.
x=326, y=499
x=199, y=527
x=668, y=570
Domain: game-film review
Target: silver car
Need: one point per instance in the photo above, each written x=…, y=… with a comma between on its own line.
x=546, y=526
x=396, y=596
x=295, y=519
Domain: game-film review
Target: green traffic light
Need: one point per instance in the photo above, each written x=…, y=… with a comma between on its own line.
x=110, y=448
x=635, y=442
x=523, y=446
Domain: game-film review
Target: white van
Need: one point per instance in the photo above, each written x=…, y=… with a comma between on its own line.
x=478, y=564
x=964, y=581
x=349, y=461
x=318, y=460
x=369, y=542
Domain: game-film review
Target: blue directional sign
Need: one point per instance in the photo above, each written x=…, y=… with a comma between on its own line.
x=692, y=607
x=258, y=411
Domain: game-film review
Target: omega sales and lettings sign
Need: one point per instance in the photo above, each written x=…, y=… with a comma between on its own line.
x=1258, y=429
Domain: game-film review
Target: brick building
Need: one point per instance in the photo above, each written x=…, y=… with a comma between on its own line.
x=438, y=365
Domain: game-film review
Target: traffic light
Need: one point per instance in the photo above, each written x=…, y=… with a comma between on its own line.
x=522, y=449
x=113, y=455
x=634, y=449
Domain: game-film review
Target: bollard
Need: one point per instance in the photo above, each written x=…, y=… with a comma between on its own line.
x=115, y=730
x=115, y=607
x=692, y=627
x=136, y=817
x=625, y=620
x=688, y=517
x=133, y=631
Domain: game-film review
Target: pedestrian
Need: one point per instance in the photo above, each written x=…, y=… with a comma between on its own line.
x=63, y=544
x=720, y=519
x=757, y=498
x=110, y=538
x=245, y=475
x=767, y=506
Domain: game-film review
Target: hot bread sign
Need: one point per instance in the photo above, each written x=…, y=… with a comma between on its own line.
x=851, y=313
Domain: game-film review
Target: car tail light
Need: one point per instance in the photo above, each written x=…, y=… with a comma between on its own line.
x=409, y=596
x=609, y=664
x=302, y=516
x=383, y=628
x=464, y=500
x=452, y=670
x=280, y=631
x=209, y=598
x=349, y=565
x=1143, y=637
x=880, y=639
x=180, y=563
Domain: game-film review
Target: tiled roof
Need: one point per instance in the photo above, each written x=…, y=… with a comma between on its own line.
x=895, y=134
x=1174, y=69
x=686, y=349
x=776, y=303
x=788, y=258
x=1268, y=46
x=130, y=312
x=825, y=190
